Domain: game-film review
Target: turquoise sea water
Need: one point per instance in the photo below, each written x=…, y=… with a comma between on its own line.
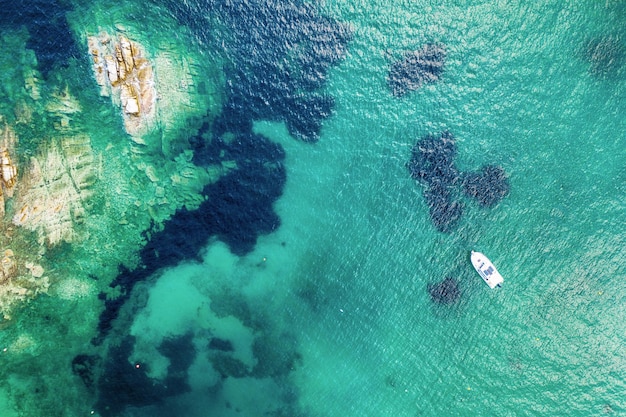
x=329, y=315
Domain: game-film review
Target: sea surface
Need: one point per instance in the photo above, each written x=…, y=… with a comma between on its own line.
x=309, y=296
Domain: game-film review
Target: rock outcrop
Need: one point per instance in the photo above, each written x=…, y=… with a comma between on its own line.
x=8, y=168
x=58, y=179
x=56, y=188
x=8, y=267
x=123, y=72
x=162, y=90
x=20, y=280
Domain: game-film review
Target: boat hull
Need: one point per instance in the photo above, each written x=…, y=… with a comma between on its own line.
x=486, y=270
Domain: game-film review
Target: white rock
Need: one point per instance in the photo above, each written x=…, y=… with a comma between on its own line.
x=132, y=106
x=111, y=66
x=36, y=271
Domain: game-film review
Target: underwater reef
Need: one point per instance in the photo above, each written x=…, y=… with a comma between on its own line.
x=416, y=68
x=432, y=164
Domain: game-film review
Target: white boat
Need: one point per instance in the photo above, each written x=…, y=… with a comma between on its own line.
x=486, y=270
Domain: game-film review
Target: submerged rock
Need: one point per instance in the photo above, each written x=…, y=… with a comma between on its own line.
x=416, y=68
x=20, y=280
x=63, y=104
x=445, y=292
x=8, y=266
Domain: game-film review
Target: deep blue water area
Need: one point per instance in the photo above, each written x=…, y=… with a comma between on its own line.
x=278, y=55
x=50, y=36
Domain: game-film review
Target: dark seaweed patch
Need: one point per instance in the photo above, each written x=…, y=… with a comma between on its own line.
x=124, y=283
x=606, y=55
x=181, y=352
x=432, y=160
x=276, y=355
x=416, y=68
x=432, y=164
x=228, y=366
x=305, y=116
x=238, y=207
x=85, y=366
x=488, y=186
x=221, y=344
x=123, y=384
x=445, y=211
x=445, y=292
